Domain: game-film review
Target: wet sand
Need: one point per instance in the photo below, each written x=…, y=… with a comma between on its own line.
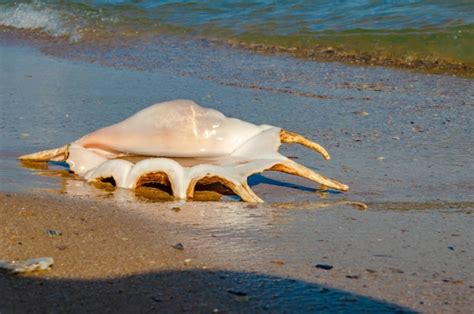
x=402, y=141
x=119, y=256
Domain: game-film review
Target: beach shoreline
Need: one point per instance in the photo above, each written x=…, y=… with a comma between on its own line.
x=319, y=52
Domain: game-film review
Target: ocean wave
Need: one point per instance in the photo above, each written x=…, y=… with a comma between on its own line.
x=413, y=35
x=33, y=16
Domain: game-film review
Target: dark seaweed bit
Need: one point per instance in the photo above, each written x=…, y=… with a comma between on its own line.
x=324, y=266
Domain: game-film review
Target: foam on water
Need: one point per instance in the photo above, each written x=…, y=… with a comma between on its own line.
x=35, y=17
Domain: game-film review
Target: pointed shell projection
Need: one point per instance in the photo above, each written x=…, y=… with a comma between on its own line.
x=180, y=144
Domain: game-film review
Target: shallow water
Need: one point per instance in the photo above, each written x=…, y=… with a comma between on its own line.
x=412, y=32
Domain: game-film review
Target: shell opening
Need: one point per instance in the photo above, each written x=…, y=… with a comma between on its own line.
x=109, y=180
x=105, y=183
x=210, y=183
x=157, y=180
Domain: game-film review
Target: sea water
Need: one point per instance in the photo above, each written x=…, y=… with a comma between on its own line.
x=404, y=31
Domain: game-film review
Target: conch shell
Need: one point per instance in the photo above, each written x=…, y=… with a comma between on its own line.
x=180, y=144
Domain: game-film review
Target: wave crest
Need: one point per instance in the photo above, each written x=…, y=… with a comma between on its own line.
x=35, y=17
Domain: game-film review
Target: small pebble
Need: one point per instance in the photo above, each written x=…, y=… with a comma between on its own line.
x=396, y=270
x=418, y=128
x=176, y=209
x=178, y=246
x=239, y=295
x=187, y=261
x=327, y=50
x=362, y=113
x=277, y=262
x=324, y=266
x=352, y=276
x=54, y=233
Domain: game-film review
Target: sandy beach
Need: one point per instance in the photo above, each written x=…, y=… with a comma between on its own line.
x=402, y=141
x=120, y=257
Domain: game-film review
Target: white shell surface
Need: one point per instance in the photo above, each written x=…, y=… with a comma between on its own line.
x=81, y=160
x=257, y=154
x=178, y=128
x=233, y=149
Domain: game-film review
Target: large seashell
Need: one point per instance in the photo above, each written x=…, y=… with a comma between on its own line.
x=179, y=143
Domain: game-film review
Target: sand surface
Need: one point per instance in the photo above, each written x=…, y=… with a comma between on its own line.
x=120, y=256
x=402, y=141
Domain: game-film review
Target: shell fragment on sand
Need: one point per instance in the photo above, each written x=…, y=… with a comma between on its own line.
x=181, y=144
x=26, y=266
